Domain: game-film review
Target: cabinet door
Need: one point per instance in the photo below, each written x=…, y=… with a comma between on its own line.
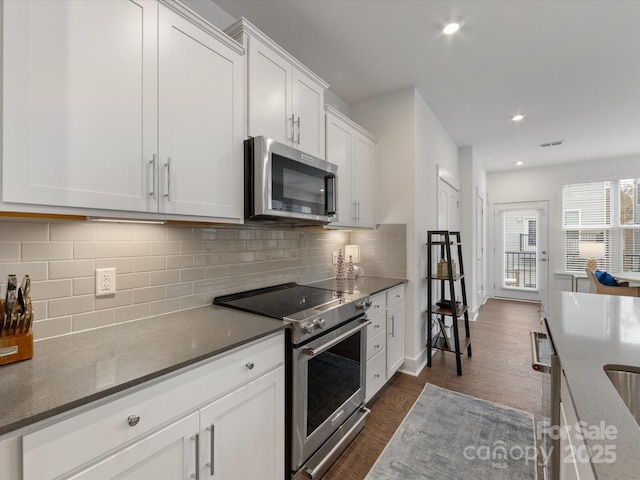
x=243, y=432
x=269, y=79
x=339, y=145
x=308, y=110
x=168, y=454
x=364, y=181
x=80, y=108
x=395, y=338
x=200, y=121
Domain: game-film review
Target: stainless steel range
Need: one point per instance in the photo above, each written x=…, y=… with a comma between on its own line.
x=327, y=361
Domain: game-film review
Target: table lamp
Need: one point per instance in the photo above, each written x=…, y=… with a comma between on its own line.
x=591, y=251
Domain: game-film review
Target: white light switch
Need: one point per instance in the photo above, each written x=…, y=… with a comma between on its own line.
x=105, y=281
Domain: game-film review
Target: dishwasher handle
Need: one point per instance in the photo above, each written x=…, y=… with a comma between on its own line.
x=537, y=362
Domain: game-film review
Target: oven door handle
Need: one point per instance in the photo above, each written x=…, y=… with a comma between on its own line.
x=536, y=363
x=317, y=351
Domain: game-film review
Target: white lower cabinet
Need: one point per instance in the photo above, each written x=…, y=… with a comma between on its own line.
x=385, y=338
x=221, y=418
x=168, y=453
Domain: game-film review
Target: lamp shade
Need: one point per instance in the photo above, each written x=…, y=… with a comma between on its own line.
x=353, y=251
x=591, y=250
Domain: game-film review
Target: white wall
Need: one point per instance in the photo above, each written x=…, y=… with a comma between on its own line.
x=545, y=183
x=473, y=178
x=210, y=12
x=411, y=142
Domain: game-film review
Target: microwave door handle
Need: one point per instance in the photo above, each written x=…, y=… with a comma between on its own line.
x=331, y=200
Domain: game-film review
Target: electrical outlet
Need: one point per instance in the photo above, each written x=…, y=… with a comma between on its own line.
x=105, y=281
x=335, y=258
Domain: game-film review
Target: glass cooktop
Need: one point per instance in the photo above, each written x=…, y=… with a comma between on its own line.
x=279, y=301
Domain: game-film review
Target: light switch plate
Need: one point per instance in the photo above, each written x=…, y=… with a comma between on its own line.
x=105, y=282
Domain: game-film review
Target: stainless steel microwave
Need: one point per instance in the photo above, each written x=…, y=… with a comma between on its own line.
x=283, y=184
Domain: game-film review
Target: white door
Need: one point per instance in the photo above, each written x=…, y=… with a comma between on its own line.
x=242, y=434
x=308, y=110
x=521, y=268
x=169, y=454
x=79, y=103
x=269, y=94
x=480, y=276
x=200, y=121
x=339, y=144
x=364, y=181
x=448, y=206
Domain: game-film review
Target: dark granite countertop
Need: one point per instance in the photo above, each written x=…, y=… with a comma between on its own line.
x=70, y=371
x=590, y=331
x=366, y=285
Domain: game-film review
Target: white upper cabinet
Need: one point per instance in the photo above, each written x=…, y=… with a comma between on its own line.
x=285, y=99
x=353, y=149
x=200, y=122
x=98, y=96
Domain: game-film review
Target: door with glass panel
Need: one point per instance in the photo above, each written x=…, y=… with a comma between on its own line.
x=521, y=268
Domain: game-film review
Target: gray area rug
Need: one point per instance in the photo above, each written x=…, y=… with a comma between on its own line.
x=448, y=435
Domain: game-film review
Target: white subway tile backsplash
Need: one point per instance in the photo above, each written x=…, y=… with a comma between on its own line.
x=132, y=312
x=128, y=281
x=163, y=268
x=84, y=286
x=69, y=306
x=26, y=231
x=91, y=320
x=76, y=232
x=34, y=251
x=150, y=294
x=132, y=249
x=9, y=251
x=83, y=250
x=71, y=269
x=51, y=289
x=120, y=299
x=53, y=327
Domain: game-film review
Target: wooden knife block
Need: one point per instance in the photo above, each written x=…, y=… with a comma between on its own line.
x=16, y=347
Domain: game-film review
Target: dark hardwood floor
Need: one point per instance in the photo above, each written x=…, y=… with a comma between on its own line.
x=499, y=371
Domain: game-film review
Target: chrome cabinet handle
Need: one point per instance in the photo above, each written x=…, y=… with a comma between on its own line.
x=196, y=475
x=133, y=420
x=393, y=325
x=153, y=176
x=298, y=122
x=212, y=429
x=358, y=210
x=293, y=123
x=250, y=365
x=168, y=166
x=355, y=211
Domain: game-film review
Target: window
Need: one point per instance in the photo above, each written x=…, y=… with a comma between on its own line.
x=606, y=212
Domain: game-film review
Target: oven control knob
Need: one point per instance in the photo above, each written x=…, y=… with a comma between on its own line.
x=319, y=323
x=307, y=327
x=363, y=304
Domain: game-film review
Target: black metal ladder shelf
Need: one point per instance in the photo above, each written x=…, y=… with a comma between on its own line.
x=438, y=311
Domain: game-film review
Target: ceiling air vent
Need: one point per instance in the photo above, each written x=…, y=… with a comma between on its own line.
x=552, y=144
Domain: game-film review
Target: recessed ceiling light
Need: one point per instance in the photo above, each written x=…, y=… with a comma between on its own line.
x=518, y=117
x=519, y=163
x=452, y=27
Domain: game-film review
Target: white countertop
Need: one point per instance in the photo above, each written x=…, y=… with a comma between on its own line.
x=590, y=331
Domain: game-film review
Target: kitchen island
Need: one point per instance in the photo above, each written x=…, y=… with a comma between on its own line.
x=588, y=332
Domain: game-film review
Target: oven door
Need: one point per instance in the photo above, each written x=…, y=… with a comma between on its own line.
x=328, y=386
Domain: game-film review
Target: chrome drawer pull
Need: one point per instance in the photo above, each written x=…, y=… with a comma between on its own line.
x=133, y=420
x=250, y=365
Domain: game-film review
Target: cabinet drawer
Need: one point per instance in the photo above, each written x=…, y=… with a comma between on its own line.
x=395, y=295
x=375, y=345
x=378, y=304
x=377, y=326
x=376, y=378
x=92, y=431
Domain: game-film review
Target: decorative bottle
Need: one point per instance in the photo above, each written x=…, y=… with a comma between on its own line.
x=340, y=273
x=351, y=273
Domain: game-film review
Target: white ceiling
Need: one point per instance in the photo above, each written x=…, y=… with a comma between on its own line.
x=572, y=66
